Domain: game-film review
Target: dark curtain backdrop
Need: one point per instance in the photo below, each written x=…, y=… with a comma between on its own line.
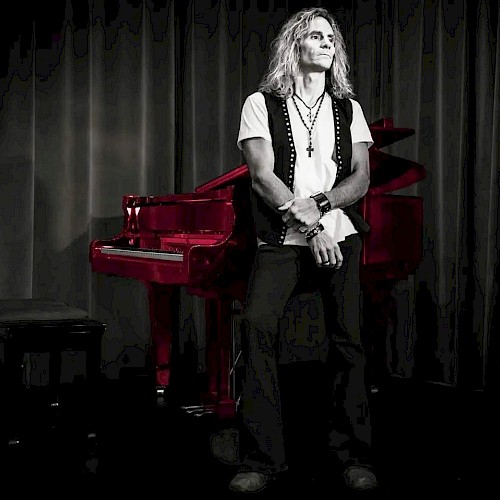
x=103, y=98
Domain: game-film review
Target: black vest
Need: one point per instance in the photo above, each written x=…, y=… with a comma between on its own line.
x=268, y=223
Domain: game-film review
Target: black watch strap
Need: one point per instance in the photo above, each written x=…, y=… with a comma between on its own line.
x=322, y=202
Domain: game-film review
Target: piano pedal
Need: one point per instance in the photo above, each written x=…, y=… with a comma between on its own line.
x=192, y=407
x=203, y=413
x=198, y=411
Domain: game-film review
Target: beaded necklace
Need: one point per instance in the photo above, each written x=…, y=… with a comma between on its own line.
x=309, y=149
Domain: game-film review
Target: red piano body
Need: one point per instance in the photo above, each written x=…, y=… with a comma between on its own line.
x=205, y=241
x=393, y=248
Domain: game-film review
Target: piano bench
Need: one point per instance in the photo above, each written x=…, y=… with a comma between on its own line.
x=44, y=326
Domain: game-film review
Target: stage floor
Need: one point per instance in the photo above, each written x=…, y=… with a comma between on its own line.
x=428, y=439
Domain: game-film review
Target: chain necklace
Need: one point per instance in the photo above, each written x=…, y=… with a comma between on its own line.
x=309, y=149
x=310, y=108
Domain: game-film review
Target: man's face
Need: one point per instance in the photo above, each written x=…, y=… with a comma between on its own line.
x=316, y=48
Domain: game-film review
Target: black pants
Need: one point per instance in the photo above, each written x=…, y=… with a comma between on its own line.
x=277, y=274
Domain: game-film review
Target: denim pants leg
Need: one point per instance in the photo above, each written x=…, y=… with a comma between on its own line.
x=350, y=426
x=274, y=276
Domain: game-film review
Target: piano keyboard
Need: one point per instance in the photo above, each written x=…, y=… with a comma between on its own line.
x=143, y=254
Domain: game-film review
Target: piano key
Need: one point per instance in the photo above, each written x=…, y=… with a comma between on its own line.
x=142, y=253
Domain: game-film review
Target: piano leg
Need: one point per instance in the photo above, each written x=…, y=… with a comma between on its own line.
x=218, y=313
x=164, y=317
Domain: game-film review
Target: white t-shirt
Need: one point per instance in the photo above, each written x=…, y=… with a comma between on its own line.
x=315, y=173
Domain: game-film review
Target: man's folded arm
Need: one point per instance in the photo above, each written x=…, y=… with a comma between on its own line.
x=354, y=186
x=259, y=156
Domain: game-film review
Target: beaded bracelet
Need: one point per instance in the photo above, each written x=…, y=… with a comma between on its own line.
x=314, y=231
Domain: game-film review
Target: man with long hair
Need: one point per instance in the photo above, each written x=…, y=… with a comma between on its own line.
x=305, y=141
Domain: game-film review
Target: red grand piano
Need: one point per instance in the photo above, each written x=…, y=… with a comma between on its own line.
x=204, y=241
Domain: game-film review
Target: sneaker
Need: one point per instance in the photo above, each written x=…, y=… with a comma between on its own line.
x=249, y=482
x=360, y=478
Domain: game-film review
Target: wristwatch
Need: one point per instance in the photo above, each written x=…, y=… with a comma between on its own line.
x=322, y=202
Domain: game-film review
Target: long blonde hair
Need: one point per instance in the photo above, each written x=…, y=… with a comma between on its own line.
x=285, y=57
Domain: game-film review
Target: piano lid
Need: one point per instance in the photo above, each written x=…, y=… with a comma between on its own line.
x=389, y=173
x=384, y=133
x=230, y=178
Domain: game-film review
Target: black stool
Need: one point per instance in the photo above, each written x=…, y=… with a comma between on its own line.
x=37, y=325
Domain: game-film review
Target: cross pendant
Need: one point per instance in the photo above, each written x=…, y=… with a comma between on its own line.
x=310, y=149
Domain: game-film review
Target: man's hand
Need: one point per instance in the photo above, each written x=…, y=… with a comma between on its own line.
x=300, y=213
x=326, y=252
